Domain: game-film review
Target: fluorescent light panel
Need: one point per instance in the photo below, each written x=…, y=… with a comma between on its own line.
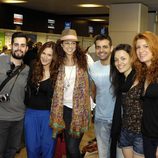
x=97, y=20
x=14, y=1
x=90, y=5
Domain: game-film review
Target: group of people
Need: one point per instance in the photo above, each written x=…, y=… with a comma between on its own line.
x=59, y=84
x=134, y=79
x=58, y=97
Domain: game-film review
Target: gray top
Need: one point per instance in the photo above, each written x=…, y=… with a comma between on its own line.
x=14, y=109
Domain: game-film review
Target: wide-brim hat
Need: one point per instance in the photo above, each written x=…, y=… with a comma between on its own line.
x=69, y=34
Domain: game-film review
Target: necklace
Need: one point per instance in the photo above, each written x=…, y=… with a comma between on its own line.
x=67, y=79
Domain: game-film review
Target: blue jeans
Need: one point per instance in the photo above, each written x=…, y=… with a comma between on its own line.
x=150, y=146
x=131, y=140
x=10, y=137
x=102, y=132
x=38, y=134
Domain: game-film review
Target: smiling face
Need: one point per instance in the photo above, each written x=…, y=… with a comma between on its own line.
x=122, y=61
x=46, y=57
x=19, y=48
x=69, y=47
x=143, y=51
x=103, y=49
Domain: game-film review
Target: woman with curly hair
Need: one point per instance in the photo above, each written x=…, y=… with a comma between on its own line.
x=38, y=134
x=70, y=111
x=145, y=59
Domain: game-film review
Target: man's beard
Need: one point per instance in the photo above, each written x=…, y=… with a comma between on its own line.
x=17, y=56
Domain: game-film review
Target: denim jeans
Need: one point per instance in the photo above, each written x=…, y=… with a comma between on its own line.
x=102, y=132
x=10, y=137
x=132, y=140
x=72, y=143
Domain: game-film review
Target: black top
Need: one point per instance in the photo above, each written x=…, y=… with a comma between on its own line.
x=150, y=111
x=41, y=95
x=132, y=109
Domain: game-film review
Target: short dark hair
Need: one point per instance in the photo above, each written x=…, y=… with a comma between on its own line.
x=103, y=37
x=126, y=47
x=4, y=48
x=19, y=34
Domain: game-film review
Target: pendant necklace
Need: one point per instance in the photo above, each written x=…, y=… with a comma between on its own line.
x=67, y=80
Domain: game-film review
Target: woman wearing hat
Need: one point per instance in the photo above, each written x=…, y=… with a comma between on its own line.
x=71, y=101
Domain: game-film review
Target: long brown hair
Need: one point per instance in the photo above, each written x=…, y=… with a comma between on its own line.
x=79, y=55
x=151, y=73
x=37, y=71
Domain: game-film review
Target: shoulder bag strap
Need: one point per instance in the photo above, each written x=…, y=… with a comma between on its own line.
x=11, y=76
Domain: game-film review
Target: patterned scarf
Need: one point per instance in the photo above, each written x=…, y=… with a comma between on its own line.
x=81, y=112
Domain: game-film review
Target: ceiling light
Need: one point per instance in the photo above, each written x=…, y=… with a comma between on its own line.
x=90, y=5
x=14, y=1
x=97, y=20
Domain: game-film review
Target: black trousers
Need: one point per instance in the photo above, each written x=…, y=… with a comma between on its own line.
x=72, y=144
x=150, y=146
x=10, y=137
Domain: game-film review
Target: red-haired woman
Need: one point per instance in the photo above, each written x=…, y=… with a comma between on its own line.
x=145, y=56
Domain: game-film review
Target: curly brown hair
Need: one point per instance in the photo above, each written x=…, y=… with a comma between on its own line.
x=142, y=71
x=37, y=67
x=79, y=55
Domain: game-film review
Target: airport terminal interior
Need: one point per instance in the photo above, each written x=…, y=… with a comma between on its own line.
x=43, y=21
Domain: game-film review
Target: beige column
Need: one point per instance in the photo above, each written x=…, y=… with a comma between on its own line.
x=153, y=22
x=126, y=20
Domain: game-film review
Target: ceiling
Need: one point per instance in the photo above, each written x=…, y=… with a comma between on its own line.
x=69, y=7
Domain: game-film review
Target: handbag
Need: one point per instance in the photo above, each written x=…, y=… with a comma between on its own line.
x=60, y=149
x=90, y=147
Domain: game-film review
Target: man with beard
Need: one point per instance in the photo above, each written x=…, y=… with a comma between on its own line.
x=102, y=92
x=12, y=95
